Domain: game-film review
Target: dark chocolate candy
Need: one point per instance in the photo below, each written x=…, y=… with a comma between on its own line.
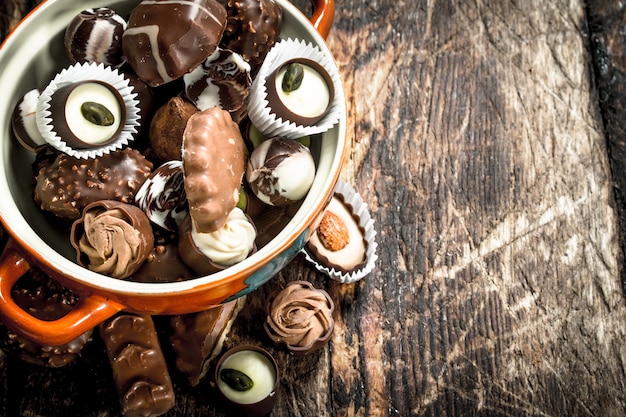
x=162, y=196
x=138, y=365
x=280, y=171
x=197, y=338
x=69, y=184
x=24, y=124
x=222, y=80
x=86, y=115
x=95, y=35
x=45, y=299
x=252, y=28
x=165, y=39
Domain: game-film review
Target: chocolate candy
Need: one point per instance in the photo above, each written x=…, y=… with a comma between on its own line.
x=167, y=127
x=162, y=196
x=280, y=171
x=222, y=80
x=69, y=184
x=300, y=91
x=164, y=263
x=24, y=124
x=214, y=160
x=197, y=338
x=139, y=368
x=207, y=253
x=45, y=299
x=253, y=27
x=112, y=238
x=165, y=39
x=95, y=35
x=87, y=114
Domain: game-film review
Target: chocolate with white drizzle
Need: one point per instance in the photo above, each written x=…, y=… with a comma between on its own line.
x=165, y=39
x=280, y=171
x=222, y=80
x=95, y=35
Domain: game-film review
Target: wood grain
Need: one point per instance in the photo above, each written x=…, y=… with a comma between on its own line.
x=479, y=139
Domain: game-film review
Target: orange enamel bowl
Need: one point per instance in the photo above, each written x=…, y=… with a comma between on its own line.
x=29, y=58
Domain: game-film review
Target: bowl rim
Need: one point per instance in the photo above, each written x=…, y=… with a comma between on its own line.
x=32, y=246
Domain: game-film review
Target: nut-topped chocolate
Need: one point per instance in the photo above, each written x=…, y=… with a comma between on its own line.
x=252, y=28
x=280, y=171
x=95, y=35
x=112, y=238
x=165, y=39
x=214, y=160
x=69, y=184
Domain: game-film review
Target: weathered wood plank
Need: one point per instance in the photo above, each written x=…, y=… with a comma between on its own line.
x=478, y=142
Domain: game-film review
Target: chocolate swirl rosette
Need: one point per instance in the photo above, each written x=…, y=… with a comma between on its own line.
x=112, y=238
x=300, y=317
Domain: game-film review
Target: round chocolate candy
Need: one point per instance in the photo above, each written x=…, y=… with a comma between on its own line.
x=95, y=35
x=280, y=171
x=87, y=114
x=24, y=124
x=301, y=91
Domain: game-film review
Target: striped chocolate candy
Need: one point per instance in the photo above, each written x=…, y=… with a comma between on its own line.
x=95, y=35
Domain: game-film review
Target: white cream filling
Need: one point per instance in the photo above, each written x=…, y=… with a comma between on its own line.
x=310, y=99
x=258, y=368
x=82, y=128
x=231, y=243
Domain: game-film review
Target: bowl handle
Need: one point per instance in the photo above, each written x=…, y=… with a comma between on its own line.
x=323, y=15
x=90, y=310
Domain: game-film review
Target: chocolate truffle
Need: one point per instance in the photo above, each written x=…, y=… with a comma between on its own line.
x=87, y=114
x=198, y=338
x=300, y=317
x=166, y=39
x=24, y=124
x=162, y=196
x=214, y=160
x=69, y=184
x=252, y=28
x=207, y=253
x=222, y=80
x=95, y=35
x=139, y=369
x=280, y=171
x=338, y=241
x=112, y=238
x=167, y=127
x=301, y=91
x=44, y=299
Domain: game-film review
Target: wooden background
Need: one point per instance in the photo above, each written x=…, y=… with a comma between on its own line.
x=488, y=138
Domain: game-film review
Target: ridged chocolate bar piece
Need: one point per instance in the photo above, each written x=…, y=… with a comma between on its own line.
x=139, y=368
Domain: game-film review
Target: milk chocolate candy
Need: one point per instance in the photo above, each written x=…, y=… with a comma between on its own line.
x=138, y=365
x=214, y=160
x=166, y=39
x=167, y=127
x=198, y=338
x=69, y=184
x=252, y=28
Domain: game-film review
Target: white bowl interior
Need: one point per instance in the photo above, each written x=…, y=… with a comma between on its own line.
x=29, y=58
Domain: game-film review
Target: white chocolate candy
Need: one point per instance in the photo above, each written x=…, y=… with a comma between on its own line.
x=258, y=368
x=311, y=99
x=82, y=128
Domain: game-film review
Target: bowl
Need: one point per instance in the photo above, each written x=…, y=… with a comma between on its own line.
x=29, y=58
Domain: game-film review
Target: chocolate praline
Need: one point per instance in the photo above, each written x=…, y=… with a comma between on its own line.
x=87, y=114
x=24, y=124
x=308, y=95
x=280, y=171
x=95, y=35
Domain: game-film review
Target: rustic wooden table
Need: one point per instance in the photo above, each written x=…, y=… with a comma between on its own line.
x=489, y=140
